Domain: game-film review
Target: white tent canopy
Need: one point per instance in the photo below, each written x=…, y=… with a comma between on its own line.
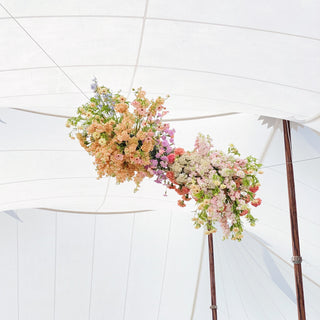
x=90, y=249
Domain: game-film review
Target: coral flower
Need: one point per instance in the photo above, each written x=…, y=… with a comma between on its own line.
x=244, y=212
x=254, y=189
x=185, y=198
x=181, y=203
x=171, y=158
x=256, y=202
x=180, y=192
x=185, y=190
x=179, y=151
x=170, y=175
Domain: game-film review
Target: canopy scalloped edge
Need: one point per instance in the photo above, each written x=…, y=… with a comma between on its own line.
x=266, y=120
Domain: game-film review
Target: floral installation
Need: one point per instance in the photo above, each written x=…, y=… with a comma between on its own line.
x=222, y=184
x=130, y=141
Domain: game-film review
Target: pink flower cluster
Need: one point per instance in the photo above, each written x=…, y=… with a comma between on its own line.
x=223, y=186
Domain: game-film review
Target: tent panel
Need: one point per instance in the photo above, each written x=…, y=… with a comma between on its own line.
x=286, y=16
x=110, y=266
x=74, y=262
x=267, y=98
x=236, y=52
x=113, y=41
x=73, y=7
x=9, y=298
x=36, y=254
x=13, y=41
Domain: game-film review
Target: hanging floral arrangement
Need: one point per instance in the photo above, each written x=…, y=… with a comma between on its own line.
x=130, y=141
x=222, y=185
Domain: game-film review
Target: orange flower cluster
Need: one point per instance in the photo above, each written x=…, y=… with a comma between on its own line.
x=118, y=153
x=120, y=140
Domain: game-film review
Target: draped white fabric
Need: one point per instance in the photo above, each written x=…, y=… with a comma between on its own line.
x=224, y=64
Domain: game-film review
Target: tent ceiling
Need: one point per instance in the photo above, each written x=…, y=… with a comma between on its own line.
x=204, y=56
x=226, y=62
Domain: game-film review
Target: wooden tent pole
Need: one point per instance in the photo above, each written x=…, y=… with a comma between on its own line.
x=296, y=259
x=213, y=306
